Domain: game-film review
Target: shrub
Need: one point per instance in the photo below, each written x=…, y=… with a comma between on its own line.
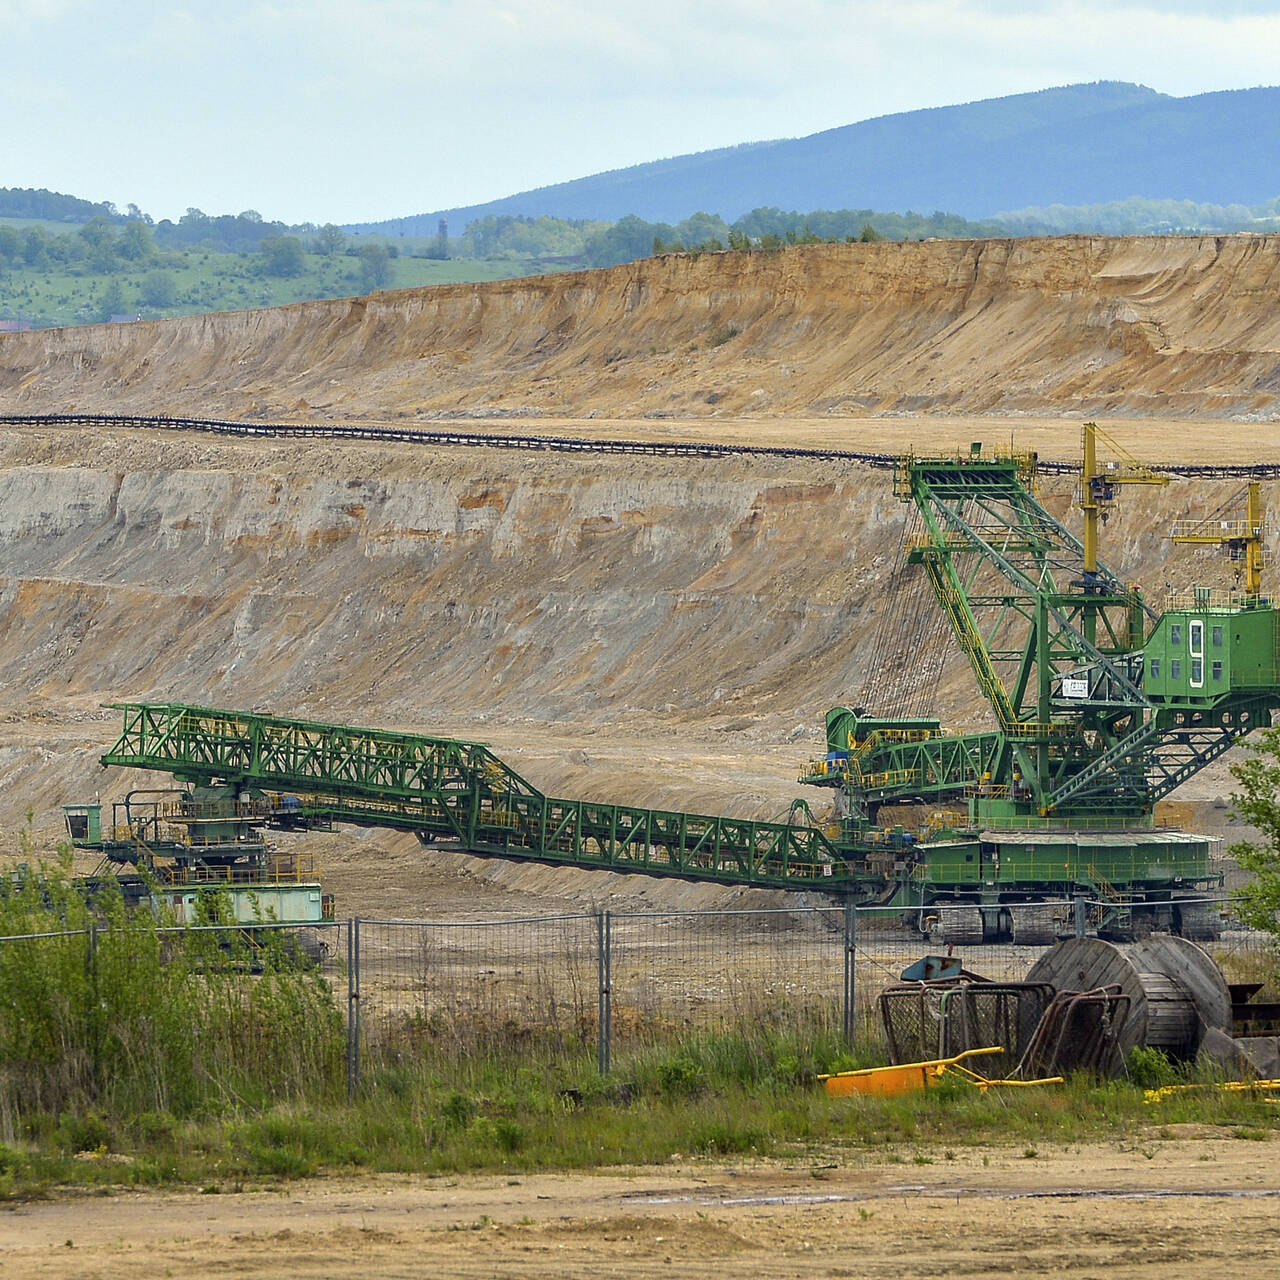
x=107, y=1013
x=1150, y=1068
x=679, y=1076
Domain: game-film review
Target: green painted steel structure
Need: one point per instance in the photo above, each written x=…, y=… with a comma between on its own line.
x=1100, y=709
x=442, y=788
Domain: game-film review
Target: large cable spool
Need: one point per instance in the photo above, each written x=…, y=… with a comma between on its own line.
x=1176, y=991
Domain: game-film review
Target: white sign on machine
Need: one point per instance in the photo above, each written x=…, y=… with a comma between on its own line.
x=1075, y=687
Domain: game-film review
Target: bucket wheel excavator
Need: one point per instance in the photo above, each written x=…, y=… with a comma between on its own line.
x=1100, y=707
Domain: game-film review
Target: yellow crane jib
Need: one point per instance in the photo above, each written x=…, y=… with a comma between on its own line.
x=1242, y=535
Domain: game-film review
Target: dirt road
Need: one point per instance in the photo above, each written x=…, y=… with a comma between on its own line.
x=1184, y=1204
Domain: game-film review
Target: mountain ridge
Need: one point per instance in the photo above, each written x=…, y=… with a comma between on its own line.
x=975, y=159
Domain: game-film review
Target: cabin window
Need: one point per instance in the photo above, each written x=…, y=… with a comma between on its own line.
x=1217, y=670
x=1217, y=637
x=1197, y=670
x=1175, y=669
x=1175, y=633
x=1155, y=668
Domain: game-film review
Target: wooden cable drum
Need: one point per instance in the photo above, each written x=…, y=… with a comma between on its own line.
x=1176, y=992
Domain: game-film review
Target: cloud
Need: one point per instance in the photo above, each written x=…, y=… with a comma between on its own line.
x=324, y=109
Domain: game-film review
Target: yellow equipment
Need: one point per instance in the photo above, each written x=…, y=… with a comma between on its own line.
x=911, y=1077
x=1242, y=536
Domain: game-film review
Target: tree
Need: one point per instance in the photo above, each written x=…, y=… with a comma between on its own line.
x=136, y=243
x=629, y=238
x=330, y=240
x=702, y=230
x=1258, y=804
x=282, y=255
x=375, y=265
x=112, y=301
x=159, y=289
x=98, y=231
x=440, y=249
x=10, y=244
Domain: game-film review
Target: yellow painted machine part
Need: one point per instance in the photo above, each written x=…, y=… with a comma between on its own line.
x=1224, y=1086
x=912, y=1077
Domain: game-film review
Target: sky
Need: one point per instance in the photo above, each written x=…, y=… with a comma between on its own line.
x=360, y=110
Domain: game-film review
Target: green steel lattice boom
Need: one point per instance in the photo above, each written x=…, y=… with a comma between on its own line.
x=442, y=788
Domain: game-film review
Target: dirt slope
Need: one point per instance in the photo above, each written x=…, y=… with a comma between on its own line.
x=1171, y=327
x=659, y=631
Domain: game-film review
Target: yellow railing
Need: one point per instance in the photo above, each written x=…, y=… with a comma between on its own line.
x=890, y=778
x=825, y=769
x=942, y=819
x=1215, y=530
x=1037, y=729
x=284, y=869
x=995, y=790
x=1193, y=599
x=902, y=735
x=948, y=541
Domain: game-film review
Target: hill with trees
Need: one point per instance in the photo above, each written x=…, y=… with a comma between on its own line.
x=1109, y=158
x=1078, y=145
x=114, y=268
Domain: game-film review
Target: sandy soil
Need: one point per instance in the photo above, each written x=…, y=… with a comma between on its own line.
x=659, y=631
x=1177, y=1203
x=1179, y=327
x=653, y=630
x=1056, y=439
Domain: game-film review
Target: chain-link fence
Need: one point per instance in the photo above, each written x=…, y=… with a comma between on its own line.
x=139, y=1019
x=451, y=989
x=592, y=986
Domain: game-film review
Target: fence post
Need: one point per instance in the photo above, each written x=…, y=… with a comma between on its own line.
x=850, y=960
x=353, y=1007
x=1082, y=918
x=604, y=1020
x=94, y=1028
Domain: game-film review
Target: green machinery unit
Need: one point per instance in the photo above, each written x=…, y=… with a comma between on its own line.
x=200, y=854
x=1100, y=709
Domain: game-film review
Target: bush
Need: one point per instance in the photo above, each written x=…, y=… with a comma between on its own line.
x=1150, y=1068
x=679, y=1076
x=119, y=1017
x=89, y=1132
x=159, y=289
x=282, y=255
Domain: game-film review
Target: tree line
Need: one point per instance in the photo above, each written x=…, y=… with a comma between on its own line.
x=106, y=263
x=52, y=206
x=1141, y=216
x=605, y=244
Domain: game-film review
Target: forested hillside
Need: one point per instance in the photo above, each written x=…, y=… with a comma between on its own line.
x=114, y=267
x=1079, y=145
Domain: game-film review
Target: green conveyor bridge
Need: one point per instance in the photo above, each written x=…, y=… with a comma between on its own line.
x=302, y=774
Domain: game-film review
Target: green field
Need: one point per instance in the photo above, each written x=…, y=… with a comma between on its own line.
x=205, y=281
